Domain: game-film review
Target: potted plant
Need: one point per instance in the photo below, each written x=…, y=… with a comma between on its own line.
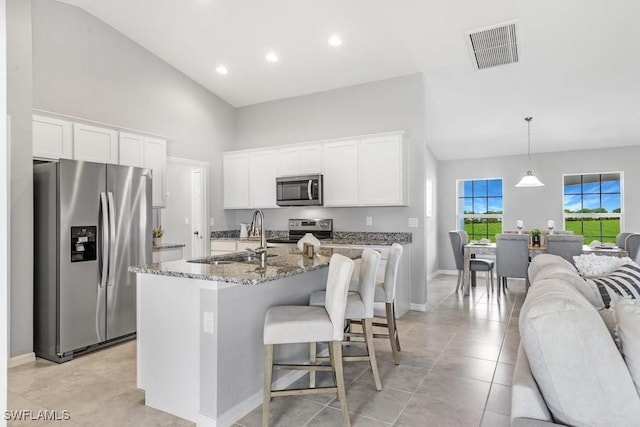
x=535, y=237
x=158, y=232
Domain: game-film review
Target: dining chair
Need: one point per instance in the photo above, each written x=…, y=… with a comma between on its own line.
x=512, y=258
x=632, y=245
x=621, y=240
x=566, y=246
x=459, y=238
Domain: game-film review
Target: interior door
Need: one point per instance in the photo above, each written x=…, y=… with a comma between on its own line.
x=197, y=217
x=130, y=194
x=81, y=320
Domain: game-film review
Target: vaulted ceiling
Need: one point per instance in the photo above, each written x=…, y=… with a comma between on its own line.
x=577, y=73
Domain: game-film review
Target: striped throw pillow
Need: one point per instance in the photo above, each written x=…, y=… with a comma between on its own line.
x=622, y=282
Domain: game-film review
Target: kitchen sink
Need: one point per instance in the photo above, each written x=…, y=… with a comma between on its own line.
x=230, y=258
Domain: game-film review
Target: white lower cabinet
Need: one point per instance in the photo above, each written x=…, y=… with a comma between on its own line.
x=52, y=138
x=223, y=247
x=95, y=144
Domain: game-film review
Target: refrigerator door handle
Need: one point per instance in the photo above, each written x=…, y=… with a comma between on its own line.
x=104, y=253
x=112, y=239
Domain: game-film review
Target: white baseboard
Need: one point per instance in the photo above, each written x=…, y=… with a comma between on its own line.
x=419, y=307
x=22, y=359
x=446, y=272
x=249, y=404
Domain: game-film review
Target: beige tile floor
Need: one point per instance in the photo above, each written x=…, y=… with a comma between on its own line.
x=456, y=367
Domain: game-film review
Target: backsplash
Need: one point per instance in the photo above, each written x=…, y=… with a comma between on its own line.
x=235, y=234
x=356, y=236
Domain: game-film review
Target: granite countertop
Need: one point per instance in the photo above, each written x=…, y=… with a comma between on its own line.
x=288, y=261
x=339, y=237
x=169, y=246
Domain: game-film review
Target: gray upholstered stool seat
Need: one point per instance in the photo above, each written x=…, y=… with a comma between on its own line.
x=305, y=324
x=290, y=324
x=360, y=308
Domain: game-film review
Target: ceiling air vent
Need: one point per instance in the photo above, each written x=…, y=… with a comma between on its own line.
x=495, y=45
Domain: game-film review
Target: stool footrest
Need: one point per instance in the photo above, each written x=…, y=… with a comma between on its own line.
x=303, y=367
x=303, y=391
x=381, y=335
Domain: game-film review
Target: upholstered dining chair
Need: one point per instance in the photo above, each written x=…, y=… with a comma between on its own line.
x=632, y=245
x=621, y=240
x=566, y=246
x=512, y=258
x=459, y=238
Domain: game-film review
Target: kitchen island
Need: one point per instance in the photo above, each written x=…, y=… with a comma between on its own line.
x=200, y=349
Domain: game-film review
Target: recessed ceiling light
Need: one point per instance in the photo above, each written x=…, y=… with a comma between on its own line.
x=271, y=57
x=222, y=70
x=335, y=40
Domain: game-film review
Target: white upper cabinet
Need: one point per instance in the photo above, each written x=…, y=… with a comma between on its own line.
x=155, y=158
x=131, y=147
x=236, y=180
x=382, y=176
x=263, y=169
x=341, y=173
x=300, y=159
x=52, y=138
x=95, y=144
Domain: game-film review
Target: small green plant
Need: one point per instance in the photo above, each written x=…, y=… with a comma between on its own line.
x=158, y=232
x=536, y=232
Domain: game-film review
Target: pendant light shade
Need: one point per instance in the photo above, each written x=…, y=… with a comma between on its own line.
x=529, y=180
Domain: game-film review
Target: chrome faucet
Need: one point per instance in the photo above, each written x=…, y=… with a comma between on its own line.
x=262, y=250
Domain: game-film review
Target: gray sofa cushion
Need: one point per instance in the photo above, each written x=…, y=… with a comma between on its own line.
x=578, y=369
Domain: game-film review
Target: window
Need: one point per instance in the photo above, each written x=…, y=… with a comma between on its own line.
x=593, y=205
x=480, y=208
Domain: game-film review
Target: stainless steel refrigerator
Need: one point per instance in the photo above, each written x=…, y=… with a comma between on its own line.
x=92, y=221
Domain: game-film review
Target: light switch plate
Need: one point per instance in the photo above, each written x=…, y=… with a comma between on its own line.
x=413, y=223
x=207, y=322
x=369, y=220
x=211, y=222
x=186, y=221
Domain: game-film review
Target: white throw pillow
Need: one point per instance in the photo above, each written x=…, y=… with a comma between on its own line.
x=590, y=265
x=578, y=368
x=627, y=313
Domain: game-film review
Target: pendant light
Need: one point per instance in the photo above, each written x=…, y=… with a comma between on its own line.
x=529, y=180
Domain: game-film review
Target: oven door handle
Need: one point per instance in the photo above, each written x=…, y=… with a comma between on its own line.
x=309, y=189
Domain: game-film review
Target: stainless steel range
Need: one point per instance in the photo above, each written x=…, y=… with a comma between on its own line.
x=320, y=228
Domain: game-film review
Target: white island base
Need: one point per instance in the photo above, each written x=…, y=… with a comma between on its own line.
x=200, y=349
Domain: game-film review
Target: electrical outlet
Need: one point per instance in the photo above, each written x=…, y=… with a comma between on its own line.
x=413, y=223
x=369, y=220
x=212, y=222
x=187, y=221
x=207, y=322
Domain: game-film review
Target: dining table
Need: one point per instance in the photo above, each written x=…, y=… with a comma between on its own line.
x=473, y=249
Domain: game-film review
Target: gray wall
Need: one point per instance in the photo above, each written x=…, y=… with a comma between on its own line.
x=19, y=98
x=535, y=206
x=84, y=68
x=388, y=105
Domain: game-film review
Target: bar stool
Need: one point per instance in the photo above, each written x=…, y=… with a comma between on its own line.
x=359, y=307
x=306, y=324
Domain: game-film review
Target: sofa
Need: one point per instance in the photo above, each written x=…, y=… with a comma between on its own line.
x=578, y=362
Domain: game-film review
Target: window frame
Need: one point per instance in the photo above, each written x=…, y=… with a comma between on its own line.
x=461, y=216
x=595, y=215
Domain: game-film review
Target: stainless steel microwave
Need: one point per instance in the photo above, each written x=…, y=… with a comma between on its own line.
x=301, y=190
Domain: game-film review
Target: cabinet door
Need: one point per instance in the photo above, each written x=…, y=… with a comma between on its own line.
x=381, y=171
x=263, y=168
x=310, y=158
x=341, y=173
x=289, y=161
x=95, y=144
x=131, y=147
x=52, y=138
x=155, y=158
x=236, y=180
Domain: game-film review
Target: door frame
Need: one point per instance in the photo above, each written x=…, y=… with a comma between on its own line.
x=204, y=167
